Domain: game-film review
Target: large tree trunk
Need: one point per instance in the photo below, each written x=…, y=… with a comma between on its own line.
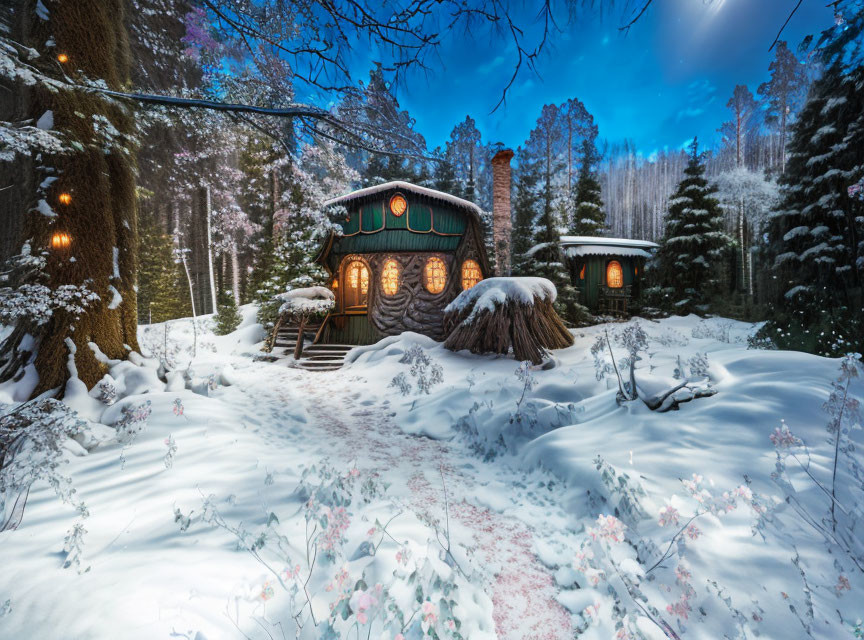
x=101, y=218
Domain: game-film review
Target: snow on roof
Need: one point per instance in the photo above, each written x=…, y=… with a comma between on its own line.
x=407, y=186
x=569, y=241
x=491, y=292
x=572, y=251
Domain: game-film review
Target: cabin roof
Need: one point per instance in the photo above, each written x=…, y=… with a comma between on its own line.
x=576, y=246
x=574, y=241
x=399, y=185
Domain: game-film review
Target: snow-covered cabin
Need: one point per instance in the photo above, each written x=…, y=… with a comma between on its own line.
x=405, y=252
x=607, y=271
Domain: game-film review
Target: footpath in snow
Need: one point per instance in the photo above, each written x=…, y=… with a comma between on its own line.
x=420, y=493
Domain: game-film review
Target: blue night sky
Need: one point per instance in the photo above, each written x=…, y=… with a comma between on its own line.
x=666, y=81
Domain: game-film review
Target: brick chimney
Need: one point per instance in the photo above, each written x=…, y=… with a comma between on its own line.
x=501, y=223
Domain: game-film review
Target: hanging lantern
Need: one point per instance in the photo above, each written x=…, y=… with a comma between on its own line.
x=335, y=283
x=62, y=58
x=65, y=198
x=60, y=241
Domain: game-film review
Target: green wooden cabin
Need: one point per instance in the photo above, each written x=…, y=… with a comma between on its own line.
x=607, y=272
x=405, y=252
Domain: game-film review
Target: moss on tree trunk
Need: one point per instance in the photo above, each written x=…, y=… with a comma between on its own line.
x=99, y=175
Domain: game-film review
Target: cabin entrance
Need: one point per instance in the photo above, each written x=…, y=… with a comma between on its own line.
x=356, y=291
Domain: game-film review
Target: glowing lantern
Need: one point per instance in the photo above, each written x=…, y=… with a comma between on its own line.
x=398, y=205
x=336, y=283
x=60, y=240
x=63, y=58
x=65, y=198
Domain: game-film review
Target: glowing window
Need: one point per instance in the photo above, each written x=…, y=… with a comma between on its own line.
x=390, y=277
x=398, y=205
x=471, y=274
x=582, y=273
x=356, y=284
x=436, y=275
x=614, y=275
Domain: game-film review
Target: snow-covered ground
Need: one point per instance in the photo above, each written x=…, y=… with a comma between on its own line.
x=507, y=502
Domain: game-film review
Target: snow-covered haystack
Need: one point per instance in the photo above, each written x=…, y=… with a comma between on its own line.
x=298, y=306
x=307, y=301
x=498, y=314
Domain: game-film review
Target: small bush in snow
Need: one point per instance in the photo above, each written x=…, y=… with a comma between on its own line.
x=73, y=547
x=172, y=451
x=424, y=370
x=400, y=381
x=32, y=442
x=107, y=393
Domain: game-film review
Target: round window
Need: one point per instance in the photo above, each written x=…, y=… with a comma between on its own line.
x=398, y=205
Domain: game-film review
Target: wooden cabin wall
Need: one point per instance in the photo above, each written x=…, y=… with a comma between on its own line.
x=412, y=307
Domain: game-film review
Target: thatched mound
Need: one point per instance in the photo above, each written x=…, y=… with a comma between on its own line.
x=498, y=314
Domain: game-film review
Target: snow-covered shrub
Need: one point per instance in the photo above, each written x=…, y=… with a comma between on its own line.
x=424, y=370
x=528, y=381
x=713, y=330
x=845, y=491
x=73, y=547
x=382, y=587
x=32, y=440
x=131, y=423
x=400, y=382
x=107, y=392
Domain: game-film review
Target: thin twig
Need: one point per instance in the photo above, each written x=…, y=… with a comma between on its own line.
x=777, y=38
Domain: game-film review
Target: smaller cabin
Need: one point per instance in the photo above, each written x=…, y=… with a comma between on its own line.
x=403, y=254
x=607, y=272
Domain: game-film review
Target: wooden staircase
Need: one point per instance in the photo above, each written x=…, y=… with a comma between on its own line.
x=315, y=357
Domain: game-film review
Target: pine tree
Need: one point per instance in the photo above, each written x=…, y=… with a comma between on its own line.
x=783, y=93
x=444, y=175
x=691, y=261
x=589, y=219
x=227, y=316
x=525, y=208
x=161, y=283
x=816, y=234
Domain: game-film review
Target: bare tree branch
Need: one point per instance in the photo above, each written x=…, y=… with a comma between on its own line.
x=776, y=39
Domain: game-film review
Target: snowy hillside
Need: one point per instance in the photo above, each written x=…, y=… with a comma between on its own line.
x=421, y=493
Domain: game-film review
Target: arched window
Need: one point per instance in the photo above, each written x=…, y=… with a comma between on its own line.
x=614, y=275
x=390, y=277
x=436, y=275
x=356, y=284
x=471, y=274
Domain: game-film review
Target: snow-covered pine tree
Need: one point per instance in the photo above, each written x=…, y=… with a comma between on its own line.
x=161, y=283
x=320, y=173
x=525, y=209
x=816, y=234
x=691, y=263
x=227, y=316
x=444, y=175
x=589, y=218
x=545, y=260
